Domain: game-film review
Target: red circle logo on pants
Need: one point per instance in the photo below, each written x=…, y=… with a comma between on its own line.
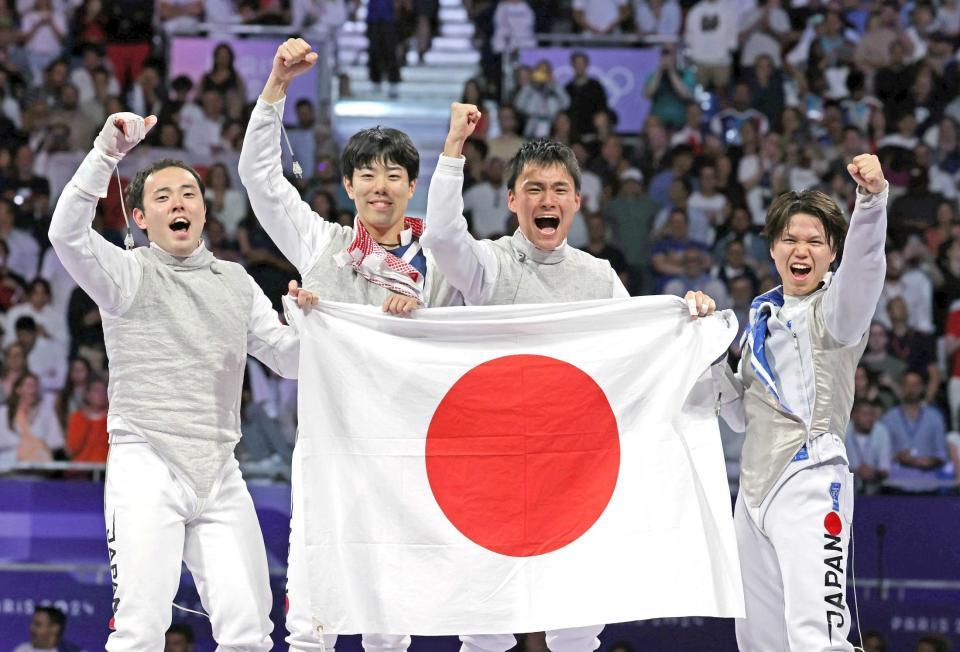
x=832, y=523
x=523, y=454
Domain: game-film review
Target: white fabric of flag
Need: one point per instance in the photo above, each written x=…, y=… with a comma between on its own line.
x=513, y=468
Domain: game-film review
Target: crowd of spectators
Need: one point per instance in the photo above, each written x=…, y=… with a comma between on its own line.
x=750, y=98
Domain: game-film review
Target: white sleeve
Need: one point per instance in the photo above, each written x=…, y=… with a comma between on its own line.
x=110, y=275
x=851, y=299
x=299, y=233
x=268, y=340
x=468, y=265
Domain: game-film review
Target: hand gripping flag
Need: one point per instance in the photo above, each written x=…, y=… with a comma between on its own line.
x=513, y=468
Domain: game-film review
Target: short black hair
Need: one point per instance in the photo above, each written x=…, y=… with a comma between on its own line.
x=135, y=187
x=42, y=282
x=542, y=153
x=25, y=323
x=183, y=630
x=811, y=202
x=56, y=616
x=181, y=83
x=380, y=145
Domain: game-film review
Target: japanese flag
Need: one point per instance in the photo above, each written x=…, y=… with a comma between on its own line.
x=513, y=468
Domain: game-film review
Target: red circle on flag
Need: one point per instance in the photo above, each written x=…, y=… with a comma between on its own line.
x=523, y=454
x=832, y=524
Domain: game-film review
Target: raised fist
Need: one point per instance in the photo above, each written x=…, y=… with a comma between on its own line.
x=865, y=170
x=294, y=57
x=463, y=121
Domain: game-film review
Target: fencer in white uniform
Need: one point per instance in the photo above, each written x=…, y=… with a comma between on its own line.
x=534, y=265
x=793, y=392
x=377, y=261
x=178, y=325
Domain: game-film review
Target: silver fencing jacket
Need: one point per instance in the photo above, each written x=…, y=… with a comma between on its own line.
x=811, y=350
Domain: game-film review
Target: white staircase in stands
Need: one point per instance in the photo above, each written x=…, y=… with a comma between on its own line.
x=422, y=106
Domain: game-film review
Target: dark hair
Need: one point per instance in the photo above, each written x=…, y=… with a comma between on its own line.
x=183, y=630
x=62, y=404
x=380, y=145
x=135, y=188
x=542, y=153
x=221, y=47
x=8, y=203
x=56, y=616
x=478, y=145
x=811, y=202
x=219, y=166
x=181, y=83
x=25, y=323
x=42, y=282
x=13, y=401
x=157, y=64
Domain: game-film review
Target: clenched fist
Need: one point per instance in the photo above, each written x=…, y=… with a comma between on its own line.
x=294, y=57
x=865, y=170
x=463, y=121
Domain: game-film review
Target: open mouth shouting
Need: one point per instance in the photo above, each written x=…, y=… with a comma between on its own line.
x=180, y=226
x=547, y=224
x=800, y=271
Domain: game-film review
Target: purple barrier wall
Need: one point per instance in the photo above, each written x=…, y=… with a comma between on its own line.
x=193, y=56
x=60, y=523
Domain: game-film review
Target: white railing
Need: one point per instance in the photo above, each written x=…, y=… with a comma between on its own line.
x=96, y=468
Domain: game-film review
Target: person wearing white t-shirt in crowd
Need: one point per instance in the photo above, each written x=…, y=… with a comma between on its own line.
x=486, y=203
x=180, y=15
x=201, y=133
x=915, y=288
x=51, y=324
x=763, y=29
x=657, y=17
x=43, y=30
x=513, y=26
x=600, y=16
x=92, y=59
x=24, y=249
x=869, y=449
x=711, y=34
x=706, y=207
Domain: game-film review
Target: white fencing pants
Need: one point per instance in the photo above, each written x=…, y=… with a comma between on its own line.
x=573, y=639
x=155, y=521
x=794, y=567
x=302, y=634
